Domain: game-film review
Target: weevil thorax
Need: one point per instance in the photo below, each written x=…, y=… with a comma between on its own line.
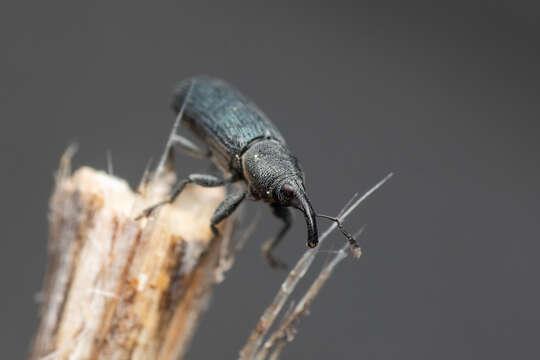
x=268, y=166
x=273, y=175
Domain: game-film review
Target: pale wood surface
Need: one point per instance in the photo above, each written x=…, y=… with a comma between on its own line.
x=116, y=288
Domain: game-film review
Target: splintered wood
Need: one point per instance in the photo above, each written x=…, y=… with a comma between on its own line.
x=116, y=288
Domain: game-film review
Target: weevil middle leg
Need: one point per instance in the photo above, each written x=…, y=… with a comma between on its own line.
x=226, y=208
x=198, y=179
x=284, y=214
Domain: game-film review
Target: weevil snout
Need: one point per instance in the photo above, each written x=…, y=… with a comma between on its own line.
x=310, y=217
x=292, y=193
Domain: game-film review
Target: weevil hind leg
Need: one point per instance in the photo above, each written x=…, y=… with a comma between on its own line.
x=166, y=154
x=285, y=214
x=188, y=147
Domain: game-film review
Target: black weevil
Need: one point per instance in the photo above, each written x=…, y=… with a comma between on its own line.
x=248, y=149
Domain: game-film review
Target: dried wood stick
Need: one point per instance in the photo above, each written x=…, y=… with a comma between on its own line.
x=286, y=330
x=116, y=288
x=268, y=317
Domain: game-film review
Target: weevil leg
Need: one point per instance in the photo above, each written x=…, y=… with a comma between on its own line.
x=226, y=208
x=198, y=179
x=189, y=147
x=168, y=150
x=285, y=214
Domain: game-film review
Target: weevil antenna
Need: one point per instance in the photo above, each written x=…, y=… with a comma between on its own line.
x=355, y=248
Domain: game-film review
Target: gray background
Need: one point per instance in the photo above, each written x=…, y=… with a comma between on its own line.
x=445, y=96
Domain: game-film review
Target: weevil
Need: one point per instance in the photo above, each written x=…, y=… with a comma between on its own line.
x=249, y=150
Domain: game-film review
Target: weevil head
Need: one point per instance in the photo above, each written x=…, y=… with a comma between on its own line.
x=274, y=175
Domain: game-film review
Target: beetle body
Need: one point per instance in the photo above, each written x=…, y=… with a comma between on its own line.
x=247, y=147
x=223, y=118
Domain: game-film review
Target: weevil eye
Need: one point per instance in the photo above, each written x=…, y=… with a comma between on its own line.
x=287, y=192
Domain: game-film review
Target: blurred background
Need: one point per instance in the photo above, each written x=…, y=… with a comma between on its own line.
x=445, y=96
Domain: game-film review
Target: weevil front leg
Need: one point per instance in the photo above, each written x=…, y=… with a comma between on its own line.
x=226, y=208
x=285, y=214
x=199, y=179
